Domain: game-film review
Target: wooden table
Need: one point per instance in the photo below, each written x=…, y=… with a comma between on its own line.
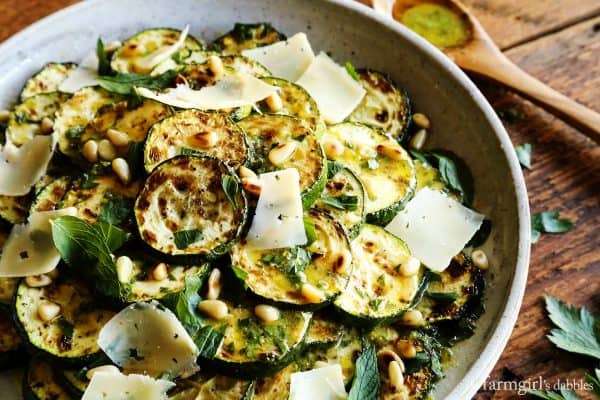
x=558, y=41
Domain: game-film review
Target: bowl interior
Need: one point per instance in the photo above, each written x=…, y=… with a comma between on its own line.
x=462, y=121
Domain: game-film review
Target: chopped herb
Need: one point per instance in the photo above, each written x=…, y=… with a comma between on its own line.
x=231, y=188
x=186, y=151
x=21, y=118
x=524, y=154
x=125, y=84
x=74, y=132
x=548, y=222
x=208, y=341
x=352, y=71
x=240, y=274
x=103, y=60
x=183, y=239
x=116, y=209
x=333, y=167
x=291, y=261
x=365, y=385
x=342, y=202
x=443, y=296
x=67, y=329
x=309, y=228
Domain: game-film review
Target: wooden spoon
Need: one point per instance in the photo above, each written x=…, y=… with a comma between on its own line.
x=479, y=54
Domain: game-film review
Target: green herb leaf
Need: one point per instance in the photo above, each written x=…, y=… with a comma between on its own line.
x=186, y=151
x=565, y=394
x=67, y=329
x=443, y=296
x=333, y=167
x=352, y=71
x=88, y=248
x=342, y=202
x=309, y=228
x=208, y=341
x=125, y=84
x=184, y=238
x=231, y=188
x=103, y=61
x=74, y=132
x=524, y=154
x=548, y=222
x=595, y=382
x=240, y=274
x=116, y=210
x=184, y=304
x=365, y=385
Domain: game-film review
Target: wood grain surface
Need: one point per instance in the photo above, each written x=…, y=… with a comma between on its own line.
x=558, y=41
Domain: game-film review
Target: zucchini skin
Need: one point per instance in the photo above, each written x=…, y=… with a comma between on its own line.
x=39, y=382
x=48, y=198
x=246, y=36
x=158, y=177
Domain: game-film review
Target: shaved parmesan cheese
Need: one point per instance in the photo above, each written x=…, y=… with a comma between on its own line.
x=21, y=167
x=435, y=227
x=151, y=60
x=194, y=57
x=278, y=221
x=230, y=92
x=84, y=75
x=30, y=249
x=325, y=383
x=116, y=386
x=287, y=59
x=148, y=338
x=337, y=94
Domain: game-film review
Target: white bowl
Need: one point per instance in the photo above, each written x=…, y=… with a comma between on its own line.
x=463, y=121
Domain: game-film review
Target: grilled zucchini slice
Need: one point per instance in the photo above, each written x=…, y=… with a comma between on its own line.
x=207, y=386
x=14, y=209
x=377, y=292
x=144, y=43
x=275, y=386
x=450, y=292
x=47, y=80
x=388, y=182
x=10, y=342
x=7, y=285
x=280, y=275
x=73, y=381
x=385, y=106
x=251, y=348
x=51, y=195
x=102, y=197
x=247, y=36
x=183, y=132
x=344, y=199
x=264, y=132
x=184, y=212
x=40, y=382
x=25, y=120
x=69, y=339
x=323, y=332
x=296, y=102
x=76, y=114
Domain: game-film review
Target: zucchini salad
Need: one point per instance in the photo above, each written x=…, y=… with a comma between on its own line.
x=247, y=219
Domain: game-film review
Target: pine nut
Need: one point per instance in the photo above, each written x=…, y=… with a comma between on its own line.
x=413, y=318
x=395, y=375
x=215, y=309
x=124, y=269
x=392, y=151
x=333, y=148
x=4, y=115
x=247, y=173
x=106, y=150
x=252, y=186
x=311, y=293
x=388, y=355
x=36, y=281
x=214, y=285
x=117, y=138
x=266, y=313
x=343, y=262
x=215, y=64
x=46, y=126
x=418, y=140
x=406, y=348
x=480, y=259
x=121, y=169
x=410, y=267
x=90, y=151
x=110, y=369
x=160, y=272
x=282, y=153
x=48, y=310
x=421, y=120
x=274, y=102
x=206, y=139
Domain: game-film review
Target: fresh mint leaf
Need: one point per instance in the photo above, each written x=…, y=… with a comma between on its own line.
x=352, y=71
x=309, y=228
x=565, y=394
x=443, y=296
x=333, y=167
x=116, y=210
x=548, y=222
x=240, y=274
x=524, y=154
x=594, y=381
x=365, y=385
x=231, y=188
x=343, y=202
x=88, y=248
x=184, y=304
x=185, y=238
x=103, y=61
x=208, y=341
x=125, y=84
x=578, y=329
x=290, y=261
